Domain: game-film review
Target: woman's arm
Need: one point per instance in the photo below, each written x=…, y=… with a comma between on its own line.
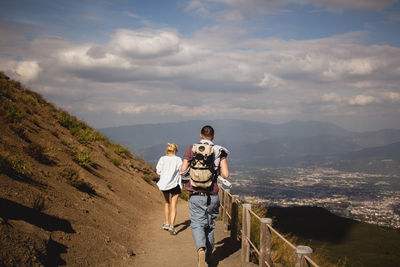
x=185, y=165
x=224, y=168
x=159, y=166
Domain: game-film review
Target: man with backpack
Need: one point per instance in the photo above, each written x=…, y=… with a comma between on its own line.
x=204, y=162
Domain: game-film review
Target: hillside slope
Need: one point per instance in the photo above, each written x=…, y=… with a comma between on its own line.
x=67, y=194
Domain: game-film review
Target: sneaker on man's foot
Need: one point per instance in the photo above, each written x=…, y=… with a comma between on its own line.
x=165, y=226
x=201, y=257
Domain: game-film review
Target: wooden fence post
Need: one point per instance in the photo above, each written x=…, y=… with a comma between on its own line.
x=265, y=242
x=234, y=217
x=221, y=201
x=302, y=251
x=226, y=209
x=246, y=228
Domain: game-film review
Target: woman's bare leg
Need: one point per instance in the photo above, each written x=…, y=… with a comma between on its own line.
x=166, y=206
x=174, y=201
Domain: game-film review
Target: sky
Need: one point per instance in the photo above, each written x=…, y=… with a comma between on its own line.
x=124, y=62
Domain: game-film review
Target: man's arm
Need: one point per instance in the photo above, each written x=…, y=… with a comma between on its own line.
x=224, y=168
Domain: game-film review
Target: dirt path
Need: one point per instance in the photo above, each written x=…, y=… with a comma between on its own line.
x=159, y=248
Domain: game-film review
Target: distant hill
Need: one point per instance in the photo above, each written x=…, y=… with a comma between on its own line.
x=379, y=160
x=255, y=143
x=391, y=151
x=68, y=196
x=227, y=131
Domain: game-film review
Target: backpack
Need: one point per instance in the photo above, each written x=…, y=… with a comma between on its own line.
x=202, y=172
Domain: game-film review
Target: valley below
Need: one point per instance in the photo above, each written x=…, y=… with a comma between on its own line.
x=370, y=198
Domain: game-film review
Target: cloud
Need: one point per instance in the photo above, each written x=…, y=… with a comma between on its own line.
x=161, y=75
x=28, y=70
x=271, y=81
x=24, y=71
x=237, y=10
x=362, y=100
x=145, y=43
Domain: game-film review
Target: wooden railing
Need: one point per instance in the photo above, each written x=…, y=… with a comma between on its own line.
x=229, y=211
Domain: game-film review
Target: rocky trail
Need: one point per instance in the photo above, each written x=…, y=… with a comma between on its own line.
x=159, y=248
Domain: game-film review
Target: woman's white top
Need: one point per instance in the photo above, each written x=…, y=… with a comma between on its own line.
x=168, y=168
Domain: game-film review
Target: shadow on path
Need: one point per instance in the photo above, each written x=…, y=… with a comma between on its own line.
x=185, y=224
x=54, y=249
x=223, y=251
x=10, y=210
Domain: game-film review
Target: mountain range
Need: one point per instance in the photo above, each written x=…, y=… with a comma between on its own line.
x=266, y=144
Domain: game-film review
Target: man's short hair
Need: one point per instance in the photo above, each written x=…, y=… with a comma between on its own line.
x=207, y=131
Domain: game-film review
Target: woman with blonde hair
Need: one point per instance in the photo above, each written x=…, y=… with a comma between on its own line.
x=168, y=167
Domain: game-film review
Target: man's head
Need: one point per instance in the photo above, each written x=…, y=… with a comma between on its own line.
x=207, y=132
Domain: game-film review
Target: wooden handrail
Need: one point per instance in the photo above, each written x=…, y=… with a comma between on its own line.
x=229, y=212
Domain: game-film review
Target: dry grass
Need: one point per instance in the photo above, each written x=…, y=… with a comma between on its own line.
x=72, y=177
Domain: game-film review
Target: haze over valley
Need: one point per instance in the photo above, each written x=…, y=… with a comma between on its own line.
x=352, y=174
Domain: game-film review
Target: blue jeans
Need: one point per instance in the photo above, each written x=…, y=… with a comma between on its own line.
x=203, y=211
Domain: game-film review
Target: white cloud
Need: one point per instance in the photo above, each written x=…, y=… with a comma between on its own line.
x=157, y=73
x=392, y=97
x=28, y=70
x=271, y=81
x=82, y=56
x=24, y=71
x=362, y=100
x=332, y=97
x=145, y=43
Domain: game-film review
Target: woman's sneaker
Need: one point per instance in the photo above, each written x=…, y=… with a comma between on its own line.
x=172, y=230
x=165, y=226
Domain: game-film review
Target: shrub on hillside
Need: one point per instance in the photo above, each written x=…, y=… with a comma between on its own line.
x=38, y=152
x=115, y=161
x=83, y=158
x=81, y=130
x=13, y=113
x=72, y=177
x=122, y=151
x=14, y=166
x=70, y=122
x=20, y=130
x=35, y=121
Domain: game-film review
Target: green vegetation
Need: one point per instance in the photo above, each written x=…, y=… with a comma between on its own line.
x=148, y=178
x=13, y=165
x=13, y=113
x=38, y=152
x=67, y=121
x=72, y=177
x=116, y=162
x=35, y=121
x=81, y=130
x=83, y=158
x=20, y=130
x=338, y=240
x=27, y=114
x=281, y=253
x=122, y=151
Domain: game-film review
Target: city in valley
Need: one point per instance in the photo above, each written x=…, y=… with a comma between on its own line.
x=370, y=198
